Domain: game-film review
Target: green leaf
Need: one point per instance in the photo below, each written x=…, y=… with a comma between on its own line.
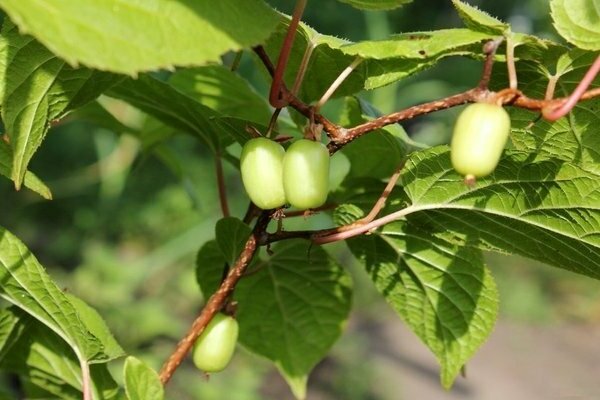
x=129, y=37
x=478, y=20
x=376, y=4
x=141, y=381
x=31, y=181
x=36, y=88
x=291, y=307
x=231, y=234
x=383, y=61
x=578, y=21
x=572, y=138
x=173, y=108
x=10, y=329
x=26, y=284
x=47, y=364
x=545, y=209
x=442, y=291
x=96, y=326
x=224, y=91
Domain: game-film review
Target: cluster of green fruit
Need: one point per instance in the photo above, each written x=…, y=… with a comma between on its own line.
x=274, y=177
x=479, y=137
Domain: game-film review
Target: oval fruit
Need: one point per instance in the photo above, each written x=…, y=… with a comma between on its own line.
x=261, y=164
x=306, y=174
x=479, y=137
x=215, y=346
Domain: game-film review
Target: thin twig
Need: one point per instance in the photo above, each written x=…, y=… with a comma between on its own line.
x=489, y=49
x=86, y=380
x=384, y=196
x=275, y=97
x=236, y=61
x=510, y=64
x=552, y=114
x=303, y=66
x=336, y=83
x=221, y=185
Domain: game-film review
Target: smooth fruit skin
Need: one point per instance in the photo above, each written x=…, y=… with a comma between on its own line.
x=306, y=174
x=480, y=134
x=215, y=346
x=261, y=164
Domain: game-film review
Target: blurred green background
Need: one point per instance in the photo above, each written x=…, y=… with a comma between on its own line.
x=125, y=224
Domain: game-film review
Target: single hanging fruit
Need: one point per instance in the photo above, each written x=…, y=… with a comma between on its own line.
x=480, y=134
x=215, y=346
x=306, y=174
x=261, y=164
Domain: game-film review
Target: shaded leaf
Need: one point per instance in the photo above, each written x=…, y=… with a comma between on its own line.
x=107, y=34
x=25, y=283
x=231, y=234
x=37, y=87
x=47, y=365
x=442, y=291
x=223, y=91
x=31, y=181
x=171, y=107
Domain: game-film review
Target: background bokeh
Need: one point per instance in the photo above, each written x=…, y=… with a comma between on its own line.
x=124, y=227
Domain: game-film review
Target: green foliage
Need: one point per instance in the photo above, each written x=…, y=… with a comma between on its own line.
x=291, y=306
x=442, y=290
x=38, y=88
x=577, y=21
x=376, y=4
x=165, y=69
x=141, y=381
x=175, y=33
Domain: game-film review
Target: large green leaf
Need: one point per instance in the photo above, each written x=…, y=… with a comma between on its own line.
x=129, y=36
x=46, y=363
x=442, y=291
x=25, y=283
x=30, y=180
x=376, y=4
x=545, y=209
x=291, y=308
x=141, y=381
x=35, y=88
x=572, y=138
x=384, y=61
x=578, y=21
x=173, y=108
x=224, y=91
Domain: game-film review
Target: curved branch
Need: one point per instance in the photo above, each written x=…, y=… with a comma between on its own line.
x=217, y=301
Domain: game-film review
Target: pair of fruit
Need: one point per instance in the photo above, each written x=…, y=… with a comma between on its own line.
x=215, y=346
x=273, y=177
x=480, y=134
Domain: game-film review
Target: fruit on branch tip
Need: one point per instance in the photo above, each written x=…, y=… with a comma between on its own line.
x=306, y=174
x=480, y=134
x=214, y=348
x=261, y=165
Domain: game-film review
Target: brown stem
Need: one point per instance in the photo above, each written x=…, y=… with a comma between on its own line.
x=384, y=196
x=221, y=185
x=275, y=97
x=552, y=114
x=216, y=302
x=510, y=64
x=489, y=49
